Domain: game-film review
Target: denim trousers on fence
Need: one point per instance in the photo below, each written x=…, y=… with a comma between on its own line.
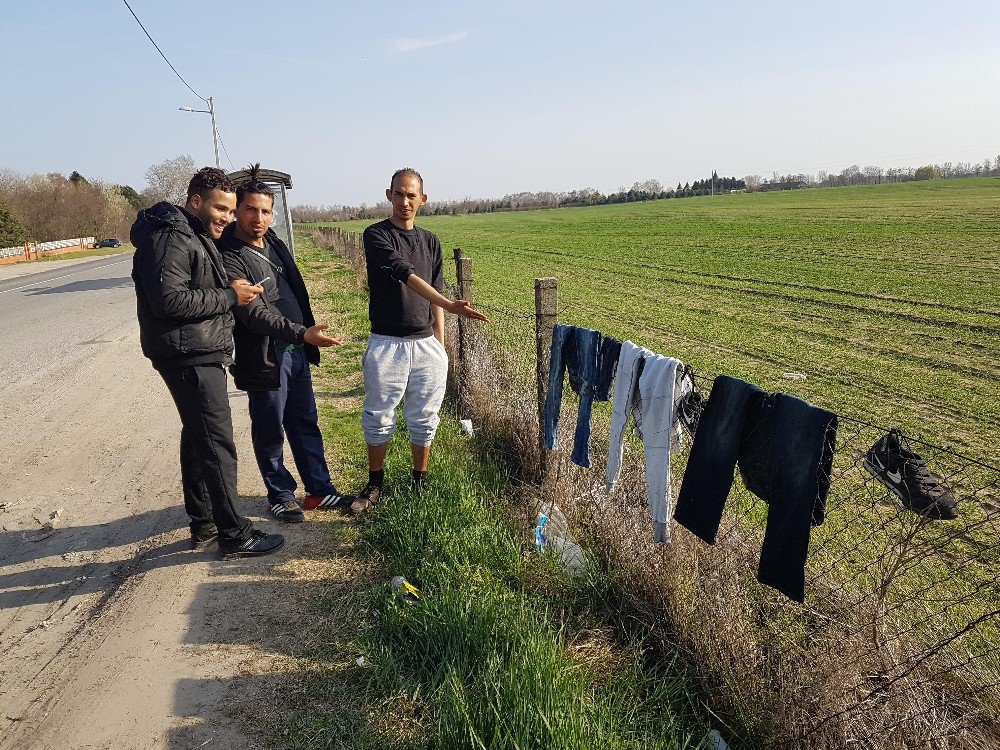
x=607, y=366
x=784, y=447
x=574, y=350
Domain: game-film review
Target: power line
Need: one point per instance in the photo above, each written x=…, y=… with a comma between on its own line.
x=224, y=149
x=161, y=52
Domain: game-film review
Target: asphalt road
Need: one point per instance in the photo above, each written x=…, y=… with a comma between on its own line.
x=52, y=319
x=112, y=633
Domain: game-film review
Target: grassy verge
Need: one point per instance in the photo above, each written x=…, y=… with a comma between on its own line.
x=505, y=649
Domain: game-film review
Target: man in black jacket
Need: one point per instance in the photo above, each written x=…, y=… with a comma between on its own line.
x=184, y=304
x=277, y=338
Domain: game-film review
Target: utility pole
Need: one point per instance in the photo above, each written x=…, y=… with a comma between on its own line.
x=215, y=132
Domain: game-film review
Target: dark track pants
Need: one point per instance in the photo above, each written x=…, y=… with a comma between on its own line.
x=208, y=453
x=289, y=411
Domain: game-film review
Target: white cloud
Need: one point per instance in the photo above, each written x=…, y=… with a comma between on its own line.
x=409, y=45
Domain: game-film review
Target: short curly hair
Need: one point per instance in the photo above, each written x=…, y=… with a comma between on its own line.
x=207, y=179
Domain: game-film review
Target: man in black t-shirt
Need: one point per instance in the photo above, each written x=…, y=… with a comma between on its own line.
x=406, y=359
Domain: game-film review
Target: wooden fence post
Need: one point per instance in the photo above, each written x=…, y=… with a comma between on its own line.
x=546, y=314
x=463, y=275
x=464, y=279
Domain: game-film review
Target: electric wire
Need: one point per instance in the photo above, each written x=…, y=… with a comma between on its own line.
x=161, y=53
x=224, y=149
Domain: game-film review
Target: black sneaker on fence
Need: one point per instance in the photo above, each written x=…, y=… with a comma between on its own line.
x=289, y=511
x=906, y=474
x=257, y=544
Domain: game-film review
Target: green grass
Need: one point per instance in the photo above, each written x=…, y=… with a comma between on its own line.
x=887, y=297
x=505, y=650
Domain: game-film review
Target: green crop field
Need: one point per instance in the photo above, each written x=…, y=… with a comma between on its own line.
x=887, y=298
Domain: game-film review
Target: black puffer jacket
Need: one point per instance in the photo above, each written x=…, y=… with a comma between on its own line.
x=259, y=324
x=184, y=302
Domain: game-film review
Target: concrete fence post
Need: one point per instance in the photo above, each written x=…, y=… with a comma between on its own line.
x=546, y=314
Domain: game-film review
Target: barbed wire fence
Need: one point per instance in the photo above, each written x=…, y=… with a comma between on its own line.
x=897, y=644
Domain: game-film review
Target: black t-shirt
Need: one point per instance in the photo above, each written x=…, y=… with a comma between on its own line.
x=391, y=256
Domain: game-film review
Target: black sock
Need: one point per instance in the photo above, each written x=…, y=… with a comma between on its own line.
x=419, y=477
x=375, y=478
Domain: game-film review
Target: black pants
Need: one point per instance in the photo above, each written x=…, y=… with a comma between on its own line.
x=208, y=453
x=784, y=447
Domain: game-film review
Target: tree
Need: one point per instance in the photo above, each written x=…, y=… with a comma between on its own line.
x=11, y=231
x=129, y=194
x=927, y=172
x=77, y=179
x=168, y=180
x=653, y=187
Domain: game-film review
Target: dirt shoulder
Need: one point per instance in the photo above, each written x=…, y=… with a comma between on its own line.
x=112, y=633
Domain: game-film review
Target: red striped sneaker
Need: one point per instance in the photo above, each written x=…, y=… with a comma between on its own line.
x=333, y=501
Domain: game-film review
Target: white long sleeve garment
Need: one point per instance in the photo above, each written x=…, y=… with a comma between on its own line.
x=623, y=404
x=652, y=401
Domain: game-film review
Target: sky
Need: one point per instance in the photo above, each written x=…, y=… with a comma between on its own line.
x=490, y=98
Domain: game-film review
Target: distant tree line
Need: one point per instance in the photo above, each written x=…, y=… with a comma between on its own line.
x=646, y=190
x=653, y=190
x=46, y=207
x=875, y=175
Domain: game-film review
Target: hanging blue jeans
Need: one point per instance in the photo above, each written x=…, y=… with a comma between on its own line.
x=607, y=365
x=574, y=350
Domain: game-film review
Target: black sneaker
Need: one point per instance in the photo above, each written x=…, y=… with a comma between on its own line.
x=907, y=475
x=289, y=511
x=257, y=544
x=367, y=499
x=202, y=539
x=419, y=486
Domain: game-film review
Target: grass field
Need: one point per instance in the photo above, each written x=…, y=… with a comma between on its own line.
x=887, y=298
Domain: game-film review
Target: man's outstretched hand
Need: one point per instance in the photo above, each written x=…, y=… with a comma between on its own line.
x=315, y=336
x=464, y=309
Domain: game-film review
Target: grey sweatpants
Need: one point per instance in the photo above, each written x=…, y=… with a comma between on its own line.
x=412, y=371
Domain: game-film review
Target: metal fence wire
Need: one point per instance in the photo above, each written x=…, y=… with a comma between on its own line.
x=897, y=644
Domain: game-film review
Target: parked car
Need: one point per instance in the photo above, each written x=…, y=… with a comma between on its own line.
x=109, y=242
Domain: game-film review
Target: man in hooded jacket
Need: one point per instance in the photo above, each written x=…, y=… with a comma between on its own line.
x=185, y=308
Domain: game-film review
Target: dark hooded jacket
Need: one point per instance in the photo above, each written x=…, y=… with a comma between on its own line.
x=183, y=298
x=259, y=325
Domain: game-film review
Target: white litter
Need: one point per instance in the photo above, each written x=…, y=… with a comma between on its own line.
x=714, y=741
